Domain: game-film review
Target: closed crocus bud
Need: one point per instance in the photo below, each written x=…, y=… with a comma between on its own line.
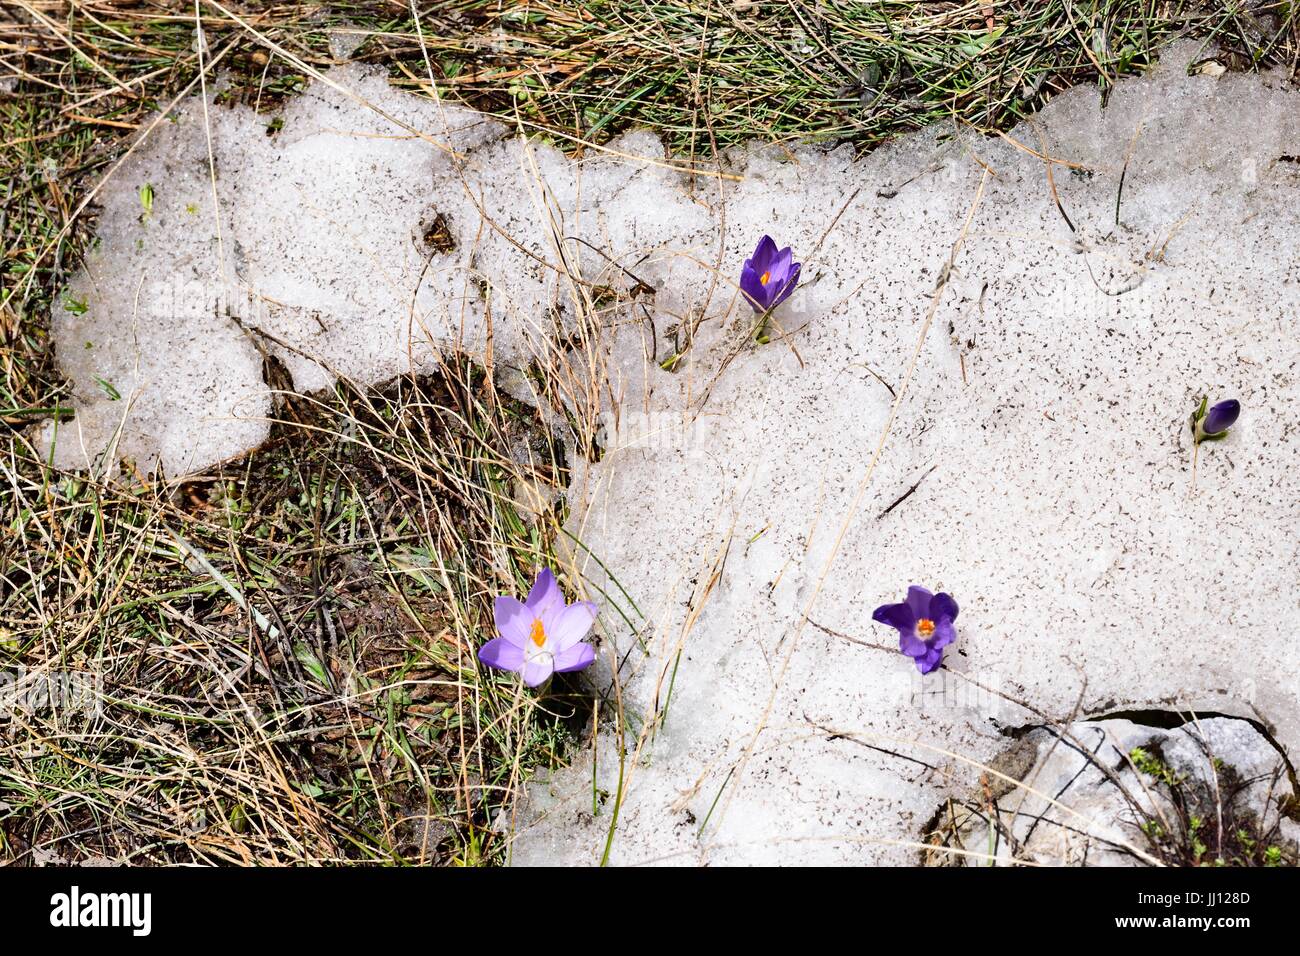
x=1214, y=423
x=1221, y=417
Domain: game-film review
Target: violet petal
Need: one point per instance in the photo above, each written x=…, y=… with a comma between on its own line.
x=918, y=599
x=932, y=659
x=514, y=621
x=545, y=593
x=1221, y=417
x=567, y=626
x=538, y=669
x=899, y=616
x=911, y=645
x=502, y=654
x=945, y=632
x=788, y=287
x=754, y=291
x=575, y=658
x=942, y=605
x=763, y=255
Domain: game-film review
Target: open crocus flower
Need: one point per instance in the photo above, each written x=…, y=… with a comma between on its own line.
x=924, y=624
x=769, y=276
x=542, y=635
x=1216, y=421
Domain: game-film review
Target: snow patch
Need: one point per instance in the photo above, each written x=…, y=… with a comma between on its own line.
x=1045, y=428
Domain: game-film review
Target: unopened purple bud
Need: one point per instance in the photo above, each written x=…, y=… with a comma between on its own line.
x=1221, y=417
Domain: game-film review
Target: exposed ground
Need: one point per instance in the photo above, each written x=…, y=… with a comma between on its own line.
x=287, y=642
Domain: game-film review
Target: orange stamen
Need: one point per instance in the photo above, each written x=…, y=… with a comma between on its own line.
x=766, y=278
x=925, y=627
x=538, y=634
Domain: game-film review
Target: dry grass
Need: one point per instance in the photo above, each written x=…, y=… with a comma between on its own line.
x=287, y=644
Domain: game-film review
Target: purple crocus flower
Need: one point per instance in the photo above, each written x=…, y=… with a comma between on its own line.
x=542, y=635
x=769, y=276
x=924, y=624
x=1221, y=417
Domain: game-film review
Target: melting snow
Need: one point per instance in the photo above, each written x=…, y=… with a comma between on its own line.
x=1044, y=429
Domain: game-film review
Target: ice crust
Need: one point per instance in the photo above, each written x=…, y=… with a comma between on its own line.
x=1046, y=422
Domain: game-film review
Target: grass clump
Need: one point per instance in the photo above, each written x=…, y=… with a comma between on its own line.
x=712, y=74
x=1226, y=820
x=286, y=646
